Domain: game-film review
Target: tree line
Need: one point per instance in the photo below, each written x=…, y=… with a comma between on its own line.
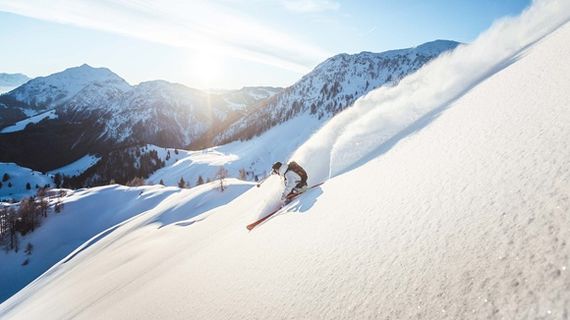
x=20, y=219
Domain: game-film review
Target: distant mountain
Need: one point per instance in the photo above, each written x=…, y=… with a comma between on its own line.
x=9, y=81
x=333, y=86
x=56, y=89
x=97, y=111
x=12, y=79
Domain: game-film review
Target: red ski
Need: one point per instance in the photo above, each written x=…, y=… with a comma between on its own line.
x=287, y=201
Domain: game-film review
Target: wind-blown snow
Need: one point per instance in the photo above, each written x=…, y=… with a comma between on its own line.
x=359, y=133
x=465, y=217
x=21, y=125
x=77, y=167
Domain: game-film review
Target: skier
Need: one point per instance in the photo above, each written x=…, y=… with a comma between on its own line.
x=295, y=184
x=295, y=178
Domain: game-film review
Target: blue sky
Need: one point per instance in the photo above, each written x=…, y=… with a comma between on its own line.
x=225, y=43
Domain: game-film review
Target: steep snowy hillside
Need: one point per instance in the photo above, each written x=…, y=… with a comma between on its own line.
x=10, y=81
x=462, y=214
x=124, y=166
x=77, y=167
x=334, y=85
x=21, y=125
x=17, y=182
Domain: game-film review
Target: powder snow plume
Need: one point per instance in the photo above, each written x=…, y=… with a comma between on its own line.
x=387, y=114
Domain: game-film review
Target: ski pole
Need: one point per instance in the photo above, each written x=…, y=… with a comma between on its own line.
x=263, y=180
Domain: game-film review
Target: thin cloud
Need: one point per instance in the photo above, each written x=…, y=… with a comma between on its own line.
x=310, y=5
x=203, y=26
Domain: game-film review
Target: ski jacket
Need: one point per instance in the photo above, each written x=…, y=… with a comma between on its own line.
x=292, y=178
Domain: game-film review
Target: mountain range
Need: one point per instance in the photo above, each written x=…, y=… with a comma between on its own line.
x=97, y=111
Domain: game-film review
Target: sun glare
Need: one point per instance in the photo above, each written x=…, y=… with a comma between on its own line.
x=205, y=68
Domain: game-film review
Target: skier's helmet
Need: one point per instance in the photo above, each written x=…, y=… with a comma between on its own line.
x=276, y=167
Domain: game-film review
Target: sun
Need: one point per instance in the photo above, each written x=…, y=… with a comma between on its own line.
x=206, y=68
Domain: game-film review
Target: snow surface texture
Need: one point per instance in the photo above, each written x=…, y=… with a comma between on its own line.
x=21, y=125
x=465, y=218
x=77, y=167
x=19, y=176
x=95, y=213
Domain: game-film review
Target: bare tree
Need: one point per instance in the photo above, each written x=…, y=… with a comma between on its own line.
x=136, y=182
x=58, y=206
x=221, y=175
x=242, y=174
x=29, y=248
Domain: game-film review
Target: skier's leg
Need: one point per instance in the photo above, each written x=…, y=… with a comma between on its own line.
x=300, y=188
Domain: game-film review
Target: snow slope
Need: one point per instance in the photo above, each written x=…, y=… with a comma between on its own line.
x=464, y=217
x=93, y=214
x=77, y=167
x=19, y=177
x=21, y=125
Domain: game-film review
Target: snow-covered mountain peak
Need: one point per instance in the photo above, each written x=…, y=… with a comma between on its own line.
x=78, y=76
x=54, y=90
x=432, y=48
x=157, y=86
x=436, y=46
